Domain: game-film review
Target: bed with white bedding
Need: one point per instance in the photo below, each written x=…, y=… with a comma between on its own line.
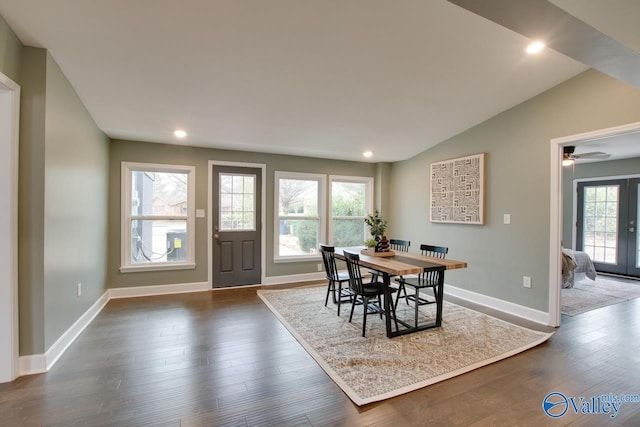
x=575, y=265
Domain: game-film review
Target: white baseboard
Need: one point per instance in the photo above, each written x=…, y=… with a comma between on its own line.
x=38, y=363
x=145, y=291
x=500, y=305
x=293, y=278
x=32, y=364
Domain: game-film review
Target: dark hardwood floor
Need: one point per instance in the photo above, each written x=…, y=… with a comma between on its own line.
x=222, y=359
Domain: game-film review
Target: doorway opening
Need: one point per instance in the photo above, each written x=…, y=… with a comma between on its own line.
x=555, y=207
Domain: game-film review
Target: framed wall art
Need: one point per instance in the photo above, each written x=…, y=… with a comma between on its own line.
x=457, y=190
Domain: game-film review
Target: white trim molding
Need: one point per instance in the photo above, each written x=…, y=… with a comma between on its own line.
x=9, y=135
x=39, y=363
x=500, y=305
x=294, y=278
x=145, y=291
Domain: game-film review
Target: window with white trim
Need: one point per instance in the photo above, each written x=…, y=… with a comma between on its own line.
x=157, y=217
x=300, y=216
x=351, y=200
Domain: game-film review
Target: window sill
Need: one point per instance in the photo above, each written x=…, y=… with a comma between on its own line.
x=157, y=267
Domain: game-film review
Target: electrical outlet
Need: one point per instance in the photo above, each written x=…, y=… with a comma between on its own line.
x=526, y=281
x=319, y=267
x=79, y=289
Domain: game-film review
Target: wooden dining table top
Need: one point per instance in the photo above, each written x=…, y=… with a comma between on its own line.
x=402, y=263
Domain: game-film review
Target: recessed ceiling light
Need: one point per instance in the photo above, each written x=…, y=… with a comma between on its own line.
x=180, y=133
x=367, y=154
x=535, y=47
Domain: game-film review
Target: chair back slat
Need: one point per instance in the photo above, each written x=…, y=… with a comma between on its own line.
x=399, y=245
x=355, y=275
x=329, y=260
x=436, y=252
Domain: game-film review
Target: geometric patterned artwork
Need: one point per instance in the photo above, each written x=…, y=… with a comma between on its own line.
x=457, y=190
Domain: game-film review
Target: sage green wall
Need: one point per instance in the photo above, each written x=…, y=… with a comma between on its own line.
x=10, y=52
x=588, y=170
x=517, y=143
x=62, y=202
x=31, y=201
x=75, y=206
x=199, y=157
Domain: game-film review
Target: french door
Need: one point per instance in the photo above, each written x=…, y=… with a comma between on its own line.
x=607, y=224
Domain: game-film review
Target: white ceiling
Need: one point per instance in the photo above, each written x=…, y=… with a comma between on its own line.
x=320, y=78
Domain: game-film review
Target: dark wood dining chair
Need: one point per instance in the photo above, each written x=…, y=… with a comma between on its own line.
x=335, y=278
x=424, y=280
x=369, y=295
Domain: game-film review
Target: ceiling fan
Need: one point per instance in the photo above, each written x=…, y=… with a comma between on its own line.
x=569, y=157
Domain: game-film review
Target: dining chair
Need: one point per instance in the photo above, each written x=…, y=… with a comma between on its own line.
x=428, y=279
x=369, y=295
x=395, y=245
x=334, y=277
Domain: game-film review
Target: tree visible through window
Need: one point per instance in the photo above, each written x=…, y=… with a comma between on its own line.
x=299, y=214
x=350, y=202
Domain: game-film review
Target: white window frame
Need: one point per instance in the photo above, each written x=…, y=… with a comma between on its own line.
x=127, y=169
x=321, y=216
x=368, y=181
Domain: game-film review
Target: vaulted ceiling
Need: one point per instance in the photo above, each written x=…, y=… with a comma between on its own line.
x=319, y=78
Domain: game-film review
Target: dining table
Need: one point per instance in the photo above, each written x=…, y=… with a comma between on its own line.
x=403, y=264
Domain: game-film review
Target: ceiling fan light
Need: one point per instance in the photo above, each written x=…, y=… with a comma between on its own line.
x=567, y=162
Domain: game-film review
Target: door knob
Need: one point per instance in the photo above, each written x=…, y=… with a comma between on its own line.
x=631, y=230
x=215, y=236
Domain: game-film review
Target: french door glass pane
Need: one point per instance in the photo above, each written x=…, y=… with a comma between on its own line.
x=600, y=233
x=158, y=241
x=237, y=202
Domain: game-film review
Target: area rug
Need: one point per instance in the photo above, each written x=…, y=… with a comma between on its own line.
x=376, y=368
x=587, y=295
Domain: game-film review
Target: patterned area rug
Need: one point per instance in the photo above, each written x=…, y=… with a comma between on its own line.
x=587, y=295
x=377, y=368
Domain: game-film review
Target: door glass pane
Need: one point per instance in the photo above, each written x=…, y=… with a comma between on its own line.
x=237, y=202
x=600, y=234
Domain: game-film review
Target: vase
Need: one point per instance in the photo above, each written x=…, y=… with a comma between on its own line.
x=383, y=244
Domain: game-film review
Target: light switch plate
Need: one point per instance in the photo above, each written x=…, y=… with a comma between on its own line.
x=200, y=213
x=507, y=219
